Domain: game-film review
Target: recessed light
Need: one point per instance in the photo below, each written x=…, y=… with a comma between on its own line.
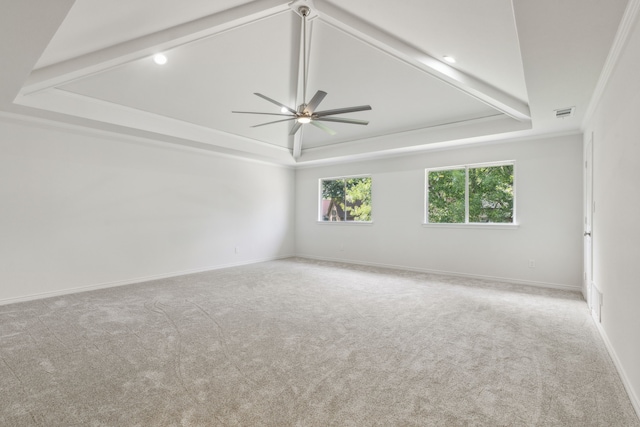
x=449, y=59
x=159, y=59
x=284, y=110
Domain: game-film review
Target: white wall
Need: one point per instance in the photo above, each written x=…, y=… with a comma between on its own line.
x=616, y=231
x=548, y=204
x=82, y=209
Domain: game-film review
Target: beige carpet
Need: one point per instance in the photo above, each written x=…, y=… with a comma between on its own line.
x=305, y=343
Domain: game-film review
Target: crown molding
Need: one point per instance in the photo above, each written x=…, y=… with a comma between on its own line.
x=627, y=23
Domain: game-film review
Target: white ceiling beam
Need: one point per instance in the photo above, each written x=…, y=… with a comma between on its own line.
x=387, y=43
x=95, y=111
x=26, y=27
x=446, y=135
x=94, y=62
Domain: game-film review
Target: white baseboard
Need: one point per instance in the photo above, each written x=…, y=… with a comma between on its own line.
x=115, y=283
x=104, y=285
x=635, y=400
x=451, y=273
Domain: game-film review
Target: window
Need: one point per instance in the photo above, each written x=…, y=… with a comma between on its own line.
x=345, y=199
x=470, y=194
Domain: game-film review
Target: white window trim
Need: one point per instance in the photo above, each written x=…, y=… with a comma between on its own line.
x=319, y=198
x=479, y=225
x=467, y=224
x=345, y=223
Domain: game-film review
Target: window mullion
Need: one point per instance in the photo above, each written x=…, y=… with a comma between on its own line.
x=426, y=196
x=344, y=201
x=466, y=195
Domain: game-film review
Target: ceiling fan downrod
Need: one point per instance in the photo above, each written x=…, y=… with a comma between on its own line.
x=304, y=12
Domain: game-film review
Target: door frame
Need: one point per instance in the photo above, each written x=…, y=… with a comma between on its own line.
x=588, y=224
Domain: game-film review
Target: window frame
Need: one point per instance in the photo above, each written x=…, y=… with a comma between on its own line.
x=467, y=224
x=319, y=219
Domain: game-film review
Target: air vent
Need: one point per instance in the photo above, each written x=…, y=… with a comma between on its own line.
x=565, y=112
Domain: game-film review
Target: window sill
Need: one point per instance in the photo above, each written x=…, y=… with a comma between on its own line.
x=358, y=223
x=495, y=226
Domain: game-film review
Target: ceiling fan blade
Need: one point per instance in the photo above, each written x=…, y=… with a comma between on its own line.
x=268, y=114
x=295, y=128
x=273, y=101
x=340, y=120
x=342, y=110
x=323, y=127
x=315, y=101
x=297, y=144
x=269, y=123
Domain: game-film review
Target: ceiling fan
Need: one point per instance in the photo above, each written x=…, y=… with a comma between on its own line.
x=307, y=112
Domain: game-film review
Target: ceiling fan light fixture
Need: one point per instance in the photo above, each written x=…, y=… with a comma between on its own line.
x=304, y=120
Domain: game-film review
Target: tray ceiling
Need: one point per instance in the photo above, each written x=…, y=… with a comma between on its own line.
x=98, y=68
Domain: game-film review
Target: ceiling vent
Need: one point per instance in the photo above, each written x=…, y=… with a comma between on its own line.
x=565, y=112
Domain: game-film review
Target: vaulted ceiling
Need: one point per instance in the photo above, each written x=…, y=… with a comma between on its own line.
x=89, y=63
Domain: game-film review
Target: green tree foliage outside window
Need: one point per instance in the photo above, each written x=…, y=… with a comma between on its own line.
x=446, y=196
x=346, y=199
x=491, y=194
x=482, y=194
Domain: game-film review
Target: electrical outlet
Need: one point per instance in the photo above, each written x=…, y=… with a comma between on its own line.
x=532, y=263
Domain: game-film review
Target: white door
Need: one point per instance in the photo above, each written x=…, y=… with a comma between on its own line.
x=588, y=214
